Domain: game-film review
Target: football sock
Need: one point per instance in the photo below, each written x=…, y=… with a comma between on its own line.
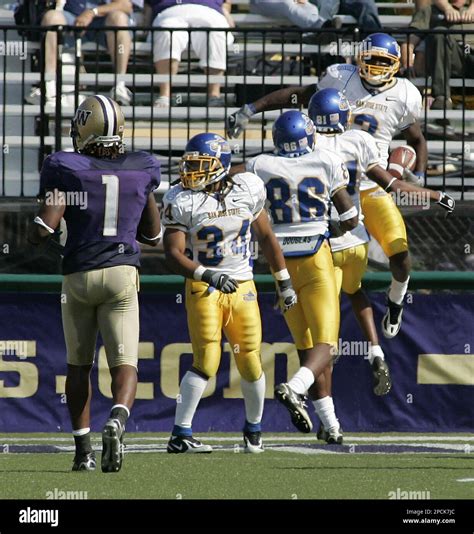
x=302, y=380
x=190, y=392
x=398, y=290
x=82, y=440
x=254, y=397
x=327, y=414
x=120, y=412
x=375, y=350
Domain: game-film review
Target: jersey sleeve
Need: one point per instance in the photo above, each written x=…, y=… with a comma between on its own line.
x=50, y=177
x=176, y=209
x=339, y=176
x=259, y=195
x=337, y=76
x=413, y=106
x=252, y=164
x=369, y=151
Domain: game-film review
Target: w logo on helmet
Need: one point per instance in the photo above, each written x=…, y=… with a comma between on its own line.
x=81, y=117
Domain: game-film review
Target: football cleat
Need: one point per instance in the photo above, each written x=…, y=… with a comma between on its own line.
x=392, y=320
x=188, y=444
x=295, y=404
x=333, y=436
x=112, y=446
x=253, y=442
x=84, y=462
x=381, y=376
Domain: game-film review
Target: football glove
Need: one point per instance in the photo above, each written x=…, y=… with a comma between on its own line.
x=222, y=282
x=447, y=202
x=287, y=295
x=237, y=122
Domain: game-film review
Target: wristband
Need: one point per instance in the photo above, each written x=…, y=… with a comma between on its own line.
x=390, y=184
x=282, y=275
x=39, y=220
x=95, y=11
x=197, y=275
x=349, y=214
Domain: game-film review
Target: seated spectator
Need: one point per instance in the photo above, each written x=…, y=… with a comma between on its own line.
x=452, y=57
x=301, y=13
x=91, y=14
x=365, y=12
x=413, y=59
x=169, y=46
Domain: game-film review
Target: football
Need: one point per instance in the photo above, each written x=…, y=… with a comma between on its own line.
x=403, y=157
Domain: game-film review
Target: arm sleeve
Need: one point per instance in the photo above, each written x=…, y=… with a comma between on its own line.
x=50, y=177
x=340, y=176
x=174, y=213
x=336, y=76
x=413, y=107
x=250, y=165
x=154, y=170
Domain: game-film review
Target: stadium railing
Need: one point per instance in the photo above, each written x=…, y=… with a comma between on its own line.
x=259, y=61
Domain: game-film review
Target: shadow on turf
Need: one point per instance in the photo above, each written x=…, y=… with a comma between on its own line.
x=35, y=471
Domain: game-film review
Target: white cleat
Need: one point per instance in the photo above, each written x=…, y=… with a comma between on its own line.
x=187, y=444
x=253, y=442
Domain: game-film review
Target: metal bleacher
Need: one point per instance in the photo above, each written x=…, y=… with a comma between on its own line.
x=29, y=132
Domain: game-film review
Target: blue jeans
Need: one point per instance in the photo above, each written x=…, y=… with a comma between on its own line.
x=364, y=11
x=302, y=15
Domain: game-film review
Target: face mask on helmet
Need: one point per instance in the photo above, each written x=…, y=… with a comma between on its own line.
x=379, y=59
x=197, y=171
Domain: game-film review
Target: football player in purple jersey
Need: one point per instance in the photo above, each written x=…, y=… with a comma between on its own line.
x=105, y=195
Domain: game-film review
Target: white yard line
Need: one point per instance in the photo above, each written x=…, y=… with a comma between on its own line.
x=465, y=480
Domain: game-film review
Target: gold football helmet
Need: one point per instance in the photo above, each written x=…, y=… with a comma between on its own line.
x=98, y=122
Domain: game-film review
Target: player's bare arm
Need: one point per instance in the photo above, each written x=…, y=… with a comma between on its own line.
x=348, y=214
x=47, y=220
x=291, y=97
x=273, y=254
x=149, y=229
x=416, y=139
x=390, y=183
x=174, y=242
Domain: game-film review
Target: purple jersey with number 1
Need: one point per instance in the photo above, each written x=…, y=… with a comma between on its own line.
x=105, y=199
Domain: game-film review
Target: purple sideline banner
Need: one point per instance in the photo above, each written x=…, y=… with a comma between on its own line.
x=431, y=362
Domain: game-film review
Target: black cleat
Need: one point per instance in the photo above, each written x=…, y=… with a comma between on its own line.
x=84, y=462
x=295, y=404
x=392, y=320
x=112, y=446
x=187, y=444
x=381, y=376
x=253, y=442
x=333, y=436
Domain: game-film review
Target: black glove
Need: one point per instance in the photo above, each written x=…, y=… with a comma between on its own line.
x=237, y=122
x=287, y=295
x=222, y=282
x=447, y=202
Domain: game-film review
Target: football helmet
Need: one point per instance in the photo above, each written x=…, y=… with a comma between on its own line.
x=206, y=160
x=329, y=110
x=293, y=134
x=98, y=121
x=378, y=58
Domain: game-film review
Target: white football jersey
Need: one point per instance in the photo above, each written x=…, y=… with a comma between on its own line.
x=218, y=232
x=383, y=113
x=299, y=192
x=360, y=153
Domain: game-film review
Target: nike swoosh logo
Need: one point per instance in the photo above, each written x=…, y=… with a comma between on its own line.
x=391, y=98
x=180, y=448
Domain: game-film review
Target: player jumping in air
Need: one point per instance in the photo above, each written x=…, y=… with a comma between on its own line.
x=330, y=113
x=213, y=215
x=382, y=105
x=301, y=184
x=101, y=258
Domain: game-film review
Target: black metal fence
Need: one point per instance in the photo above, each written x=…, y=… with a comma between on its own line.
x=258, y=61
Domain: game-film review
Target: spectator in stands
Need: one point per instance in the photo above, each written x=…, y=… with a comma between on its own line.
x=301, y=13
x=365, y=12
x=91, y=14
x=169, y=46
x=413, y=59
x=453, y=56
